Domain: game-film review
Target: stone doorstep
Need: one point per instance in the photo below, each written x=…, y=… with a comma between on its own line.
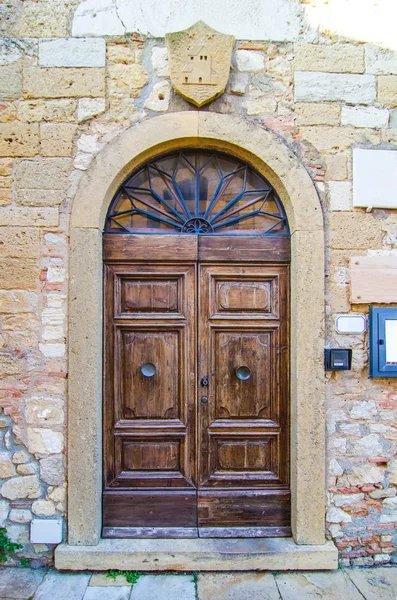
x=270, y=554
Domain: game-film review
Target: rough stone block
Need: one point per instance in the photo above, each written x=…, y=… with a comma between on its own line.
x=20, y=274
x=387, y=90
x=317, y=87
x=43, y=508
x=44, y=441
x=5, y=197
x=29, y=217
x=10, y=83
x=72, y=52
x=8, y=112
x=335, y=58
x=249, y=60
x=44, y=19
x=44, y=412
x=20, y=515
x=161, y=586
x=119, y=53
x=7, y=469
x=336, y=167
x=127, y=79
x=368, y=116
x=336, y=139
x=53, y=350
x=97, y=22
x=17, y=301
x=159, y=97
x=233, y=586
x=63, y=586
x=19, y=139
x=238, y=83
x=52, y=469
x=380, y=61
x=340, y=193
x=110, y=593
x=63, y=82
x=4, y=511
x=317, y=114
x=160, y=61
x=355, y=231
x=39, y=197
x=21, y=487
x=46, y=110
x=5, y=167
x=56, y=139
x=44, y=173
x=90, y=107
x=19, y=242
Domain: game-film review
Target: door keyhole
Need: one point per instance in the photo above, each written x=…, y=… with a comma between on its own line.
x=204, y=381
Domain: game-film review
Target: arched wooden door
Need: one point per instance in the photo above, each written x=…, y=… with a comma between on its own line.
x=196, y=339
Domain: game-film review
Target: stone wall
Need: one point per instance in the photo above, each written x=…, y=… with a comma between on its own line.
x=65, y=93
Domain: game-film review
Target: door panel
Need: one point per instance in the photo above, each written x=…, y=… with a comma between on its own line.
x=243, y=468
x=149, y=416
x=182, y=460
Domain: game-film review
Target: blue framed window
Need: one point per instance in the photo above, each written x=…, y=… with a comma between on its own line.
x=383, y=342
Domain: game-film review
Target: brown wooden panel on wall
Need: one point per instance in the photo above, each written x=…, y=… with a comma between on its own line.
x=373, y=279
x=162, y=248
x=243, y=248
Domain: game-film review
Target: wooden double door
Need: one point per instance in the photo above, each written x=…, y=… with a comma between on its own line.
x=196, y=386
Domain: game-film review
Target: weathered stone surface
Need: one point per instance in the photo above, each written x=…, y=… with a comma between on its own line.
x=62, y=586
x=19, y=242
x=63, y=82
x=7, y=469
x=380, y=61
x=159, y=97
x=26, y=216
x=337, y=515
x=336, y=167
x=29, y=469
x=364, y=410
x=238, y=83
x=355, y=230
x=379, y=494
x=340, y=193
x=368, y=116
x=127, y=79
x=5, y=167
x=315, y=86
x=387, y=90
x=160, y=61
x=39, y=197
x=43, y=508
x=53, y=350
x=347, y=499
x=21, y=487
x=4, y=512
x=52, y=469
x=161, y=586
x=235, y=586
x=10, y=83
x=112, y=593
x=18, y=301
x=249, y=60
x=375, y=584
x=43, y=173
x=329, y=586
x=20, y=274
x=334, y=58
x=337, y=139
x=102, y=580
x=20, y=457
x=44, y=411
x=18, y=515
x=56, y=139
x=44, y=19
x=90, y=107
x=44, y=441
x=19, y=139
x=308, y=113
x=368, y=446
x=393, y=472
x=72, y=52
x=22, y=586
x=119, y=53
x=88, y=20
x=8, y=112
x=46, y=110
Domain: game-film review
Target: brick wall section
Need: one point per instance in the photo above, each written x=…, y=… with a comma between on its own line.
x=62, y=100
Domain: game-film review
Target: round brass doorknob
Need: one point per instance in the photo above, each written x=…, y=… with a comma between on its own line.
x=148, y=370
x=243, y=373
x=204, y=399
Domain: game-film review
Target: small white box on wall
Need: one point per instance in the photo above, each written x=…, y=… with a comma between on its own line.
x=46, y=531
x=375, y=178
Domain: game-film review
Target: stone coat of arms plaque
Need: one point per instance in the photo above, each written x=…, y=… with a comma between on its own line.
x=199, y=62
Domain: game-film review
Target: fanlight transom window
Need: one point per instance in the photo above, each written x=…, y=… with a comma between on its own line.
x=197, y=192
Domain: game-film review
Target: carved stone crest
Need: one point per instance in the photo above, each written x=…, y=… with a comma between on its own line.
x=199, y=62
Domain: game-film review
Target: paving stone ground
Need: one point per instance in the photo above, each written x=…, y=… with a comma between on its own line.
x=378, y=583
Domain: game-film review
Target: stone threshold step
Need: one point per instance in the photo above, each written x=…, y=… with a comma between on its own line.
x=211, y=554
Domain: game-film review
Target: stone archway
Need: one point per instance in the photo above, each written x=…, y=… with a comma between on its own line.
x=280, y=166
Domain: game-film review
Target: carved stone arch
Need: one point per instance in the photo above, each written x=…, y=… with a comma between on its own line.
x=267, y=153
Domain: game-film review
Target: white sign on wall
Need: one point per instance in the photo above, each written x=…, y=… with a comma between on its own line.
x=375, y=178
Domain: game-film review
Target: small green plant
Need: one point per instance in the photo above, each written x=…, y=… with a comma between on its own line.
x=7, y=547
x=195, y=582
x=25, y=562
x=131, y=576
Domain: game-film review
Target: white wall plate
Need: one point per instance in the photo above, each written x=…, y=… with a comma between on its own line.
x=46, y=531
x=351, y=324
x=375, y=178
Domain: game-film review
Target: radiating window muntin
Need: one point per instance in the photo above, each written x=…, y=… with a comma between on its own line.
x=197, y=192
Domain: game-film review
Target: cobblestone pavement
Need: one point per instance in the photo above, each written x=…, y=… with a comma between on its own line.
x=379, y=583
